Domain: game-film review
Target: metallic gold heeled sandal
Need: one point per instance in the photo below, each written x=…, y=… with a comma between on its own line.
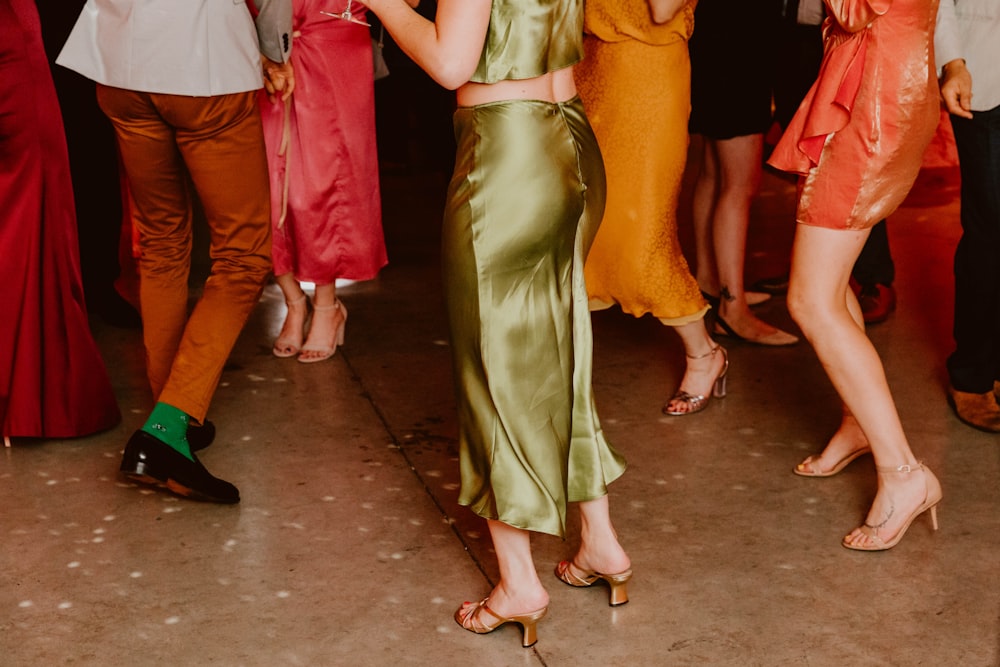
x=471, y=620
x=697, y=403
x=617, y=582
x=931, y=500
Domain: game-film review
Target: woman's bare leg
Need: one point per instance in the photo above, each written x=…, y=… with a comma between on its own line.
x=326, y=323
x=739, y=178
x=600, y=550
x=289, y=341
x=519, y=590
x=819, y=298
x=706, y=189
x=702, y=366
x=849, y=438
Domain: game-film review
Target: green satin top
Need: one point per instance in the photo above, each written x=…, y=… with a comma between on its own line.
x=528, y=38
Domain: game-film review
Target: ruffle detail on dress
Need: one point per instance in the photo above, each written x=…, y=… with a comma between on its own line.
x=836, y=90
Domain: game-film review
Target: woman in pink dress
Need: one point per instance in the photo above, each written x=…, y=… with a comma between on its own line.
x=326, y=208
x=53, y=383
x=857, y=141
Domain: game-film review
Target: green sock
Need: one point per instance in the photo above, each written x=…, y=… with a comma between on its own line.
x=170, y=425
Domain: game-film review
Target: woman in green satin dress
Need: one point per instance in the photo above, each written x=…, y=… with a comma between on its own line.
x=523, y=208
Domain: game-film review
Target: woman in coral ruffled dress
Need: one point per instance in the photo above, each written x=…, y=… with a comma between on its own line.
x=857, y=141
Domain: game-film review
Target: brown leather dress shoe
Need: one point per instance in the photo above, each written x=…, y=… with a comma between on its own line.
x=977, y=410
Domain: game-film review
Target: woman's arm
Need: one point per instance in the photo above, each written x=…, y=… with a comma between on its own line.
x=664, y=10
x=856, y=15
x=449, y=47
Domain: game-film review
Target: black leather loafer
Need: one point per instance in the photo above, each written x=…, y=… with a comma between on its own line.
x=151, y=461
x=201, y=435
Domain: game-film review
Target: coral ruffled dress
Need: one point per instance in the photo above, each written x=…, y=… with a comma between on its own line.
x=862, y=129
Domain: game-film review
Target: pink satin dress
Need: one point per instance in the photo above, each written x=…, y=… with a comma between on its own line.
x=321, y=151
x=861, y=131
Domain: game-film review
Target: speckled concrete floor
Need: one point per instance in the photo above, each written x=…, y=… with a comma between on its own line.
x=349, y=549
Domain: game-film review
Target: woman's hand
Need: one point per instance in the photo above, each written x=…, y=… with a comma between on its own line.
x=278, y=78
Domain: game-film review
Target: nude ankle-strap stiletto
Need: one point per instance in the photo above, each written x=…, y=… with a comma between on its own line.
x=808, y=467
x=931, y=500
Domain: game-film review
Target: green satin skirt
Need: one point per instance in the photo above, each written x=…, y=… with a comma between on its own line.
x=523, y=208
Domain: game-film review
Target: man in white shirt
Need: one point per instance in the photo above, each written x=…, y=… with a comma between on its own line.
x=967, y=46
x=179, y=82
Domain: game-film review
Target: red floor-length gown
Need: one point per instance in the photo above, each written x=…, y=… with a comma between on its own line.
x=325, y=177
x=53, y=383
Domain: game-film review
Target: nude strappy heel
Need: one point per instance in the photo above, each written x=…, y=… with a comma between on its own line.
x=326, y=352
x=697, y=403
x=618, y=583
x=289, y=347
x=931, y=500
x=472, y=621
x=808, y=469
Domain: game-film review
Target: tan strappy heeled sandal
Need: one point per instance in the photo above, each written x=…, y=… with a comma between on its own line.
x=289, y=347
x=808, y=467
x=618, y=583
x=471, y=620
x=931, y=500
x=337, y=336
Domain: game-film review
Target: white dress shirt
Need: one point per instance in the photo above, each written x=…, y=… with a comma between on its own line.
x=181, y=47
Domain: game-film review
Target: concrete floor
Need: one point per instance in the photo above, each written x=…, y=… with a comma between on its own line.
x=349, y=549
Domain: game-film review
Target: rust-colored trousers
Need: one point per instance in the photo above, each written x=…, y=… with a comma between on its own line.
x=170, y=143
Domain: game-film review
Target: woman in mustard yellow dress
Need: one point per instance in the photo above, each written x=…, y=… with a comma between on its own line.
x=635, y=82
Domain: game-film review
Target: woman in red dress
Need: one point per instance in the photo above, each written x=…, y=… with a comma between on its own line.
x=53, y=383
x=326, y=208
x=857, y=140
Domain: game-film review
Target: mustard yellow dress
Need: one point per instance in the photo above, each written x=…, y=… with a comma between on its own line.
x=635, y=82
